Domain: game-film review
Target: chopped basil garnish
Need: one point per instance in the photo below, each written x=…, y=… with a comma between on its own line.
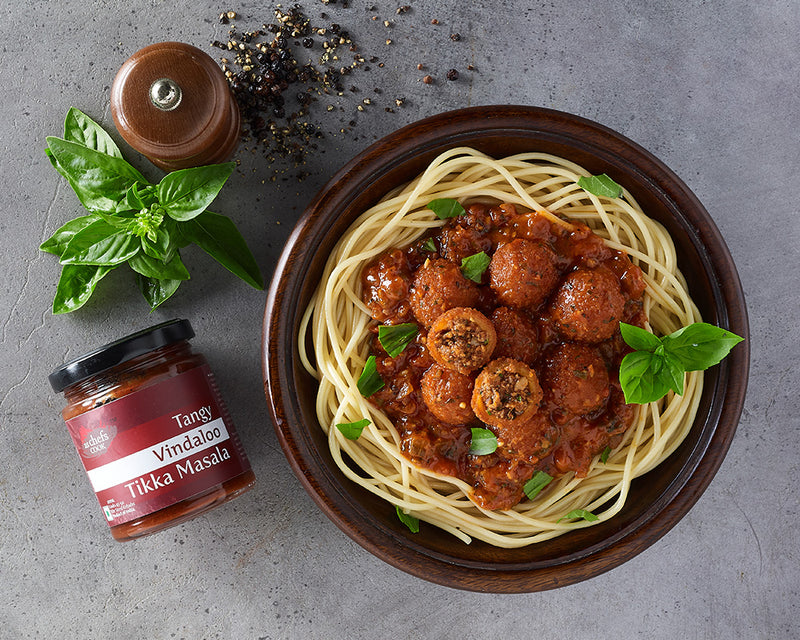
x=429, y=245
x=538, y=482
x=580, y=513
x=410, y=521
x=604, y=455
x=370, y=380
x=446, y=208
x=658, y=364
x=473, y=266
x=483, y=442
x=396, y=337
x=600, y=185
x=352, y=430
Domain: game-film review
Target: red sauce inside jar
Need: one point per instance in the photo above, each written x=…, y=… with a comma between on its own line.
x=555, y=295
x=152, y=430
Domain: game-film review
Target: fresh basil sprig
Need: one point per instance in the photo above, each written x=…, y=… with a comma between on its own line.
x=352, y=430
x=135, y=222
x=538, y=482
x=396, y=337
x=600, y=185
x=407, y=519
x=370, y=380
x=583, y=514
x=658, y=364
x=446, y=208
x=483, y=442
x=472, y=267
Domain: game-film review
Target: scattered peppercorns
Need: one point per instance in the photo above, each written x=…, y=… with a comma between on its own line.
x=275, y=91
x=272, y=89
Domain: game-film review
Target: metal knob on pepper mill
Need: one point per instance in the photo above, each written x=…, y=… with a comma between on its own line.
x=171, y=102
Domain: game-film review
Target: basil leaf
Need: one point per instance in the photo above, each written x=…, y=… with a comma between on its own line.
x=410, y=521
x=76, y=285
x=604, y=455
x=156, y=291
x=186, y=193
x=81, y=129
x=57, y=243
x=638, y=338
x=396, y=337
x=429, y=245
x=640, y=379
x=100, y=181
x=580, y=513
x=700, y=345
x=538, y=482
x=352, y=430
x=100, y=243
x=483, y=442
x=600, y=185
x=473, y=266
x=673, y=373
x=219, y=237
x=370, y=380
x=446, y=208
x=132, y=200
x=158, y=269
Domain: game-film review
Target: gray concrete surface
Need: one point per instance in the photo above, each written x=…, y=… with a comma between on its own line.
x=711, y=87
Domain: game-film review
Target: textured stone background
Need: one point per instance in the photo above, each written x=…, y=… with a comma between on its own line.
x=710, y=87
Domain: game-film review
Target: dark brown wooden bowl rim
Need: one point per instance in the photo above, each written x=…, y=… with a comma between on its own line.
x=290, y=290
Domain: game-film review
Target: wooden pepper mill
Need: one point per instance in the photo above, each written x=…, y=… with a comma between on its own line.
x=171, y=102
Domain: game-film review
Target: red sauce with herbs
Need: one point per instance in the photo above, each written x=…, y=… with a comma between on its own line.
x=555, y=296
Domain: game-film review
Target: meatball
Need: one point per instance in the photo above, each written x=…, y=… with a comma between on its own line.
x=386, y=284
x=506, y=391
x=438, y=286
x=522, y=273
x=447, y=394
x=528, y=441
x=462, y=339
x=467, y=234
x=517, y=335
x=577, y=378
x=588, y=305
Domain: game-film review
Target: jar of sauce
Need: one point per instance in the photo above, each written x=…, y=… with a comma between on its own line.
x=152, y=431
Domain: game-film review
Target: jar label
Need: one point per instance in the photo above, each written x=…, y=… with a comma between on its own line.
x=158, y=446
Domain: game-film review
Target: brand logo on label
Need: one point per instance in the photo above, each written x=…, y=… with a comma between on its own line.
x=96, y=440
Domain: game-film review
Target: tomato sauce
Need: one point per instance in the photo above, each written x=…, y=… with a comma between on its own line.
x=556, y=295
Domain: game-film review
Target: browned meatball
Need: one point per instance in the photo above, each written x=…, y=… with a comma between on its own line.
x=466, y=235
x=462, y=339
x=438, y=286
x=506, y=391
x=577, y=378
x=588, y=305
x=522, y=273
x=386, y=284
x=447, y=394
x=517, y=335
x=530, y=440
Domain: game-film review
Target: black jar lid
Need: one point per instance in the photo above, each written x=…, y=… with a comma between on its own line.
x=119, y=351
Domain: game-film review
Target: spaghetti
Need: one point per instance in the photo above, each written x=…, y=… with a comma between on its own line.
x=339, y=324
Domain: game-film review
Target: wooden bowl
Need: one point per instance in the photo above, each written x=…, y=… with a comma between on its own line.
x=656, y=501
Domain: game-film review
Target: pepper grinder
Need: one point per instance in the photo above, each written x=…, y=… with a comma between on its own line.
x=171, y=102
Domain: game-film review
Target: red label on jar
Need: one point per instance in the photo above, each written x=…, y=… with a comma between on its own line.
x=158, y=446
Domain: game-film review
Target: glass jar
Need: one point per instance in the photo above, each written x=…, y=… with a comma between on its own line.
x=152, y=430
